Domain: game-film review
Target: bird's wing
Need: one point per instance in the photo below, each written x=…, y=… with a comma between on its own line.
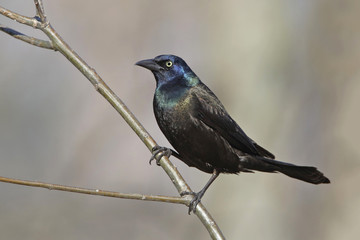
x=211, y=112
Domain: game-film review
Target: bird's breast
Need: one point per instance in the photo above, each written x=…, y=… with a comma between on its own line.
x=199, y=145
x=173, y=114
x=169, y=109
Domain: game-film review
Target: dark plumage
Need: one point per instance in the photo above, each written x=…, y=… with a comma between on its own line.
x=202, y=132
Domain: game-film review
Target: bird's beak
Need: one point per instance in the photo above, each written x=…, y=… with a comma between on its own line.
x=150, y=64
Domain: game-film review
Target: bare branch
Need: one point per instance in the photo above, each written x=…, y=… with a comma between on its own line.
x=40, y=10
x=98, y=192
x=20, y=18
x=31, y=40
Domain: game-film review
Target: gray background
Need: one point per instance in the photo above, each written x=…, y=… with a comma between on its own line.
x=287, y=71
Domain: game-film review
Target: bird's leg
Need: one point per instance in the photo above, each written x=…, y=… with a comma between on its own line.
x=164, y=151
x=197, y=196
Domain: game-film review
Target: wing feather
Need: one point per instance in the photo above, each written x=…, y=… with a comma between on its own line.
x=210, y=111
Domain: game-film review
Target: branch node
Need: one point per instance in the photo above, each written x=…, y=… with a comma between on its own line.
x=97, y=87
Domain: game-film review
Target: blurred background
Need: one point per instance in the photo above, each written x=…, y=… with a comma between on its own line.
x=287, y=71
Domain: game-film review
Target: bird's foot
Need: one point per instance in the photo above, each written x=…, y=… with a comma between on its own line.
x=195, y=201
x=162, y=151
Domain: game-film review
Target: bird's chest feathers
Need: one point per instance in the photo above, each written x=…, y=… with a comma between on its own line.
x=173, y=108
x=172, y=97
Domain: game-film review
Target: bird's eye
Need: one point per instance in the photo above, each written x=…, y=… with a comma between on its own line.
x=168, y=63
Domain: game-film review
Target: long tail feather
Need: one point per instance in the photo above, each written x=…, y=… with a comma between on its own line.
x=304, y=173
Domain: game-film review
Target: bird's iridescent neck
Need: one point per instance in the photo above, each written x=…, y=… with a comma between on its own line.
x=169, y=93
x=180, y=81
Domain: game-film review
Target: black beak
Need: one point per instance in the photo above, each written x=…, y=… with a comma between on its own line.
x=150, y=64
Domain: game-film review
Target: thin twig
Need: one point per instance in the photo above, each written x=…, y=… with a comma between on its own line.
x=98, y=192
x=31, y=40
x=40, y=10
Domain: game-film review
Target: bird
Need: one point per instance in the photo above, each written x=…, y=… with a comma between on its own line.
x=203, y=133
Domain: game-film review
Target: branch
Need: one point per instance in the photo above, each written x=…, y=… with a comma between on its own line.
x=40, y=22
x=40, y=11
x=98, y=192
x=31, y=40
x=33, y=22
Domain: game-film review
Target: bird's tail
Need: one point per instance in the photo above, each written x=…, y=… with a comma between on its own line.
x=304, y=173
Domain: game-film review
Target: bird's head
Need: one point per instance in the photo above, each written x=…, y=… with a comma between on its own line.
x=169, y=69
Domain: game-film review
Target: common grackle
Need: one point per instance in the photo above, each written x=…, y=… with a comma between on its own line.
x=202, y=132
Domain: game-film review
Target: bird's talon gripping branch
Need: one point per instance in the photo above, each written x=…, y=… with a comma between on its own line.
x=193, y=204
x=162, y=151
x=195, y=201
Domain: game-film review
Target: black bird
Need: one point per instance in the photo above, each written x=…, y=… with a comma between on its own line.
x=202, y=132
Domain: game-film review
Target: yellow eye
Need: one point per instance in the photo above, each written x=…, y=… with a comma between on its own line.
x=168, y=63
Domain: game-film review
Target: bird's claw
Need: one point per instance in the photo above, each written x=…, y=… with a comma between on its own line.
x=162, y=151
x=194, y=202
